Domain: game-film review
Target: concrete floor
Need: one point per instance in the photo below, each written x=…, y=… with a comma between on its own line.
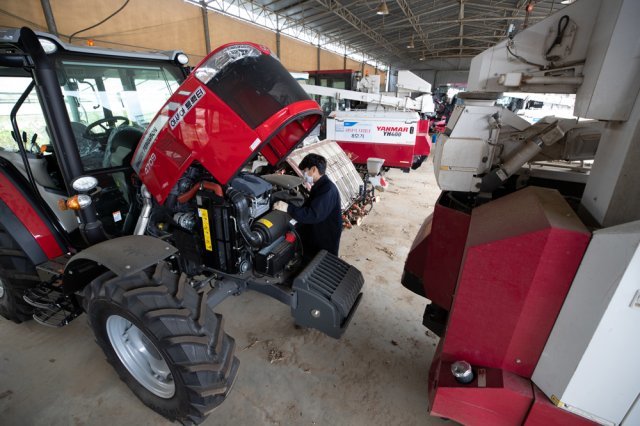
x=375, y=375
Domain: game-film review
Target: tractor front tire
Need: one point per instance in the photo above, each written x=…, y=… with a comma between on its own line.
x=164, y=341
x=17, y=274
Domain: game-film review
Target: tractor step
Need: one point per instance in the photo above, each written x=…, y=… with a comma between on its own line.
x=53, y=308
x=327, y=293
x=53, y=268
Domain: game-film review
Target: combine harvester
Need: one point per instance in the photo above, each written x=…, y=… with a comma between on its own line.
x=391, y=128
x=389, y=133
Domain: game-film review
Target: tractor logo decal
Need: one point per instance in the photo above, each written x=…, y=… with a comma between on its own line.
x=147, y=141
x=350, y=123
x=191, y=101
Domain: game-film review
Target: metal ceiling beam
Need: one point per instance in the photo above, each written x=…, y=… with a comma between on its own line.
x=467, y=20
x=469, y=36
x=449, y=56
x=537, y=9
x=348, y=16
x=394, y=24
x=304, y=26
x=271, y=3
x=281, y=11
x=324, y=21
x=404, y=6
x=446, y=49
x=485, y=27
x=436, y=29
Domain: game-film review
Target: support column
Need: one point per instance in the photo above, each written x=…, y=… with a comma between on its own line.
x=205, y=24
x=318, y=58
x=48, y=16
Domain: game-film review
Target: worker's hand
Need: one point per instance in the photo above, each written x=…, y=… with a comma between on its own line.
x=280, y=205
x=307, y=185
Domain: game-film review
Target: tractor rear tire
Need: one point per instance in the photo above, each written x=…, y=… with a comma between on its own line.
x=17, y=274
x=164, y=341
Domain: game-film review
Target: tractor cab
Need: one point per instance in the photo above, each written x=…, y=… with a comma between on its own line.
x=109, y=98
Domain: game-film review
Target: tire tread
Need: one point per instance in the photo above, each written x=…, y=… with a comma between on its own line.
x=189, y=334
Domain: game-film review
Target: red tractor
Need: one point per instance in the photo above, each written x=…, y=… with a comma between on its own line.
x=124, y=195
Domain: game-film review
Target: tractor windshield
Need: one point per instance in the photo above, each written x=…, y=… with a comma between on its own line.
x=110, y=105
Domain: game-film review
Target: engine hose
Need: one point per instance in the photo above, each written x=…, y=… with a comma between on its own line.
x=242, y=209
x=211, y=186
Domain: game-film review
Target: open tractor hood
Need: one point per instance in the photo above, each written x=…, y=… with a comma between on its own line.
x=238, y=102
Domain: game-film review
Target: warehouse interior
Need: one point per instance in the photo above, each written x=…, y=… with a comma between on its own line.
x=161, y=252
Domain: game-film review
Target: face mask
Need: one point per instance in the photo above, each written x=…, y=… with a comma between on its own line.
x=308, y=178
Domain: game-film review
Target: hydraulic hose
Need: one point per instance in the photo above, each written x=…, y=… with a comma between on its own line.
x=242, y=209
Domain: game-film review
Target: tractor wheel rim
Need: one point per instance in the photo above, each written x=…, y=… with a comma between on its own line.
x=1, y=288
x=140, y=357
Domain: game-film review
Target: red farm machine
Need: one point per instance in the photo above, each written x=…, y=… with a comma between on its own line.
x=531, y=258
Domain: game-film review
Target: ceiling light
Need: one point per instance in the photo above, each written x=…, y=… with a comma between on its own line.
x=411, y=45
x=382, y=9
x=422, y=58
x=567, y=1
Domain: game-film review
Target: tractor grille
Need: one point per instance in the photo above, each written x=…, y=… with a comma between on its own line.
x=333, y=279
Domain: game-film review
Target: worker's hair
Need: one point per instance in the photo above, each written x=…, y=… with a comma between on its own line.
x=311, y=160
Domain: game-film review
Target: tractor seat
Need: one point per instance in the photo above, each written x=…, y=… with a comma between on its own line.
x=90, y=151
x=120, y=145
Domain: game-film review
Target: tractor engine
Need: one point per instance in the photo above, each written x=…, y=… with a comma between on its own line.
x=232, y=230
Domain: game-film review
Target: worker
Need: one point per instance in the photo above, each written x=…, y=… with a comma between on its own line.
x=321, y=214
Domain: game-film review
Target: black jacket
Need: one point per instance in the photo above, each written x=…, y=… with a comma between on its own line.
x=321, y=216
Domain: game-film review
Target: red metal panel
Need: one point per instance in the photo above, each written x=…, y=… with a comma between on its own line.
x=285, y=129
x=436, y=253
x=423, y=140
x=210, y=133
x=445, y=248
x=544, y=413
x=29, y=218
x=419, y=249
x=522, y=253
x=395, y=155
x=504, y=398
x=197, y=125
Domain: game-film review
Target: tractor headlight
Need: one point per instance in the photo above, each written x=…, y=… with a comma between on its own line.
x=223, y=58
x=84, y=183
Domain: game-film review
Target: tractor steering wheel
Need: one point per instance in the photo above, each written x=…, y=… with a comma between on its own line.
x=111, y=120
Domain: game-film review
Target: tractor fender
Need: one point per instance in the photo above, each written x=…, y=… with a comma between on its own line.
x=24, y=218
x=123, y=256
